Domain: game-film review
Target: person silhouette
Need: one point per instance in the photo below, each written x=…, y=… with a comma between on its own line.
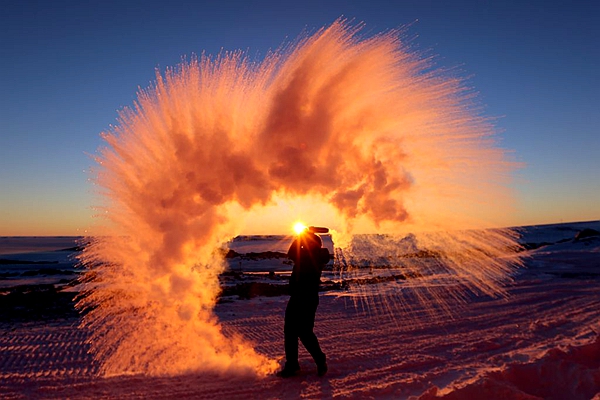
x=309, y=258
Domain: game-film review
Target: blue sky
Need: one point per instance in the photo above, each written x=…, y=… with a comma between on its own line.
x=68, y=66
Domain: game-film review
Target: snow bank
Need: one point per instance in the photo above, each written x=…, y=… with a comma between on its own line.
x=573, y=373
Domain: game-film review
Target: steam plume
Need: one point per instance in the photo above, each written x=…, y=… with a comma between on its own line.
x=362, y=124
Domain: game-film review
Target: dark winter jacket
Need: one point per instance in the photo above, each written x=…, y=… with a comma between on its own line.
x=309, y=259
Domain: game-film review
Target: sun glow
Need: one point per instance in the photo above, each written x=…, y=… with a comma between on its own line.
x=299, y=227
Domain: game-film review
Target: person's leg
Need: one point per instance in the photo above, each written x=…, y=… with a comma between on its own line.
x=290, y=332
x=307, y=335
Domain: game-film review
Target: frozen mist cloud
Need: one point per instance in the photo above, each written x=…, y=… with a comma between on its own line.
x=362, y=124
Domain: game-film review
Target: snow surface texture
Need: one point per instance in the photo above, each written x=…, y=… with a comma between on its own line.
x=541, y=342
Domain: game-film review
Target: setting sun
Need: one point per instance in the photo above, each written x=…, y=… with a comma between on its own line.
x=299, y=227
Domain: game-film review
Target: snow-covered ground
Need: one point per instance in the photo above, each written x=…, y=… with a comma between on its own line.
x=540, y=342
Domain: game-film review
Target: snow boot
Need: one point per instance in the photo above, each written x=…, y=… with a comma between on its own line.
x=289, y=370
x=322, y=367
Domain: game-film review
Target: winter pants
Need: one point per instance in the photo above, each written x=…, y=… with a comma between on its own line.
x=299, y=323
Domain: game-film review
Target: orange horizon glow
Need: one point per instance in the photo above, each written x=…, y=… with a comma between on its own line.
x=275, y=219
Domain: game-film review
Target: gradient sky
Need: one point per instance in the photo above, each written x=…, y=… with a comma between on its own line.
x=68, y=66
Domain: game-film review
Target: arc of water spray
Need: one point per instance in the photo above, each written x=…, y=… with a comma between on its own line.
x=363, y=124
